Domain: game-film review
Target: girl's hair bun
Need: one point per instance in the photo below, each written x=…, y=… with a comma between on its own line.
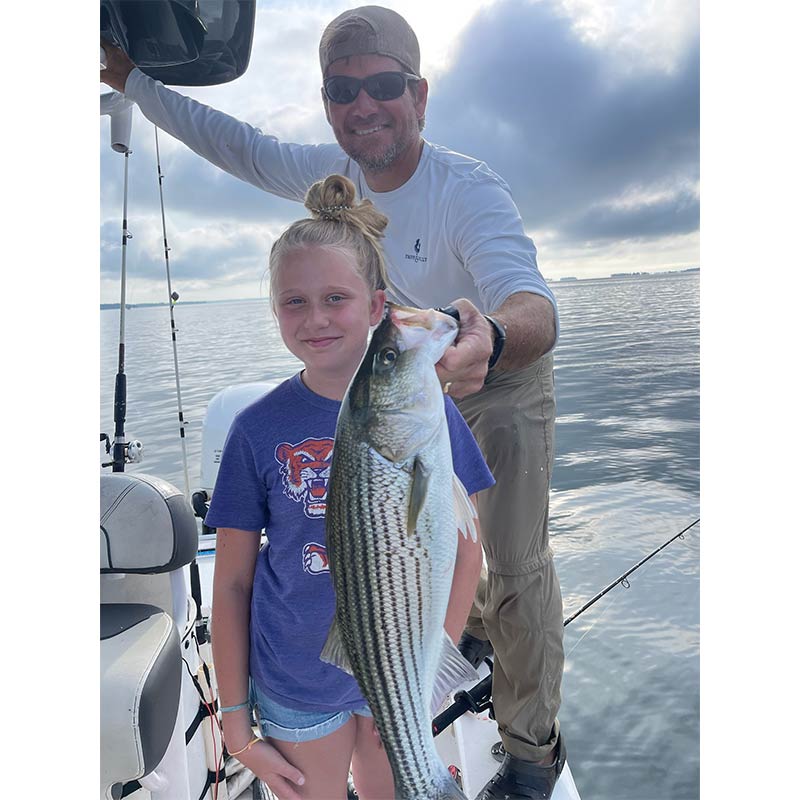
x=334, y=200
x=338, y=220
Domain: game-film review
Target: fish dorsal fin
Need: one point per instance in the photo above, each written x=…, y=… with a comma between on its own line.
x=465, y=511
x=333, y=651
x=419, y=492
x=453, y=671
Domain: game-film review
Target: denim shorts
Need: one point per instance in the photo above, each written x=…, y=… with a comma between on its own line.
x=291, y=725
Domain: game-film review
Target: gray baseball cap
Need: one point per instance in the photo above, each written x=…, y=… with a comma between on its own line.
x=366, y=30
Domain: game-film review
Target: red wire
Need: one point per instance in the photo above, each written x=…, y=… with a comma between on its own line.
x=214, y=743
x=215, y=718
x=212, y=716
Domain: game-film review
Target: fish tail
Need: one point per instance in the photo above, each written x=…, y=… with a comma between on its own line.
x=442, y=786
x=448, y=789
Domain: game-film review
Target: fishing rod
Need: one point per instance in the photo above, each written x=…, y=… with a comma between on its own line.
x=121, y=384
x=172, y=298
x=120, y=446
x=479, y=697
x=623, y=578
x=120, y=110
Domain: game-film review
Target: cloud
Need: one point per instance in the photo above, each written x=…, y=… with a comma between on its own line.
x=226, y=251
x=219, y=229
x=573, y=126
x=190, y=184
x=676, y=213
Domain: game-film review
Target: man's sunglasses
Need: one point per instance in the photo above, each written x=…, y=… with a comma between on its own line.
x=383, y=86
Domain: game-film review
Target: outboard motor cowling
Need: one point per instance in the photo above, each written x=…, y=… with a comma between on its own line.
x=221, y=410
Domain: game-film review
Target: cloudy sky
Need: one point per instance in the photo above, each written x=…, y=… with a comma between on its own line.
x=588, y=108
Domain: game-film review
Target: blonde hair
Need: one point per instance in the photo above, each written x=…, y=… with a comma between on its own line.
x=337, y=222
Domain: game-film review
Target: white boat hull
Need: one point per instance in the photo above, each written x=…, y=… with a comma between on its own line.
x=466, y=746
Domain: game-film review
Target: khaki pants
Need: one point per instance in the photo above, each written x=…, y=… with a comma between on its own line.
x=518, y=604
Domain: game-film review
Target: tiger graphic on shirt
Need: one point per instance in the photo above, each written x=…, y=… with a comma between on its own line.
x=305, y=471
x=315, y=559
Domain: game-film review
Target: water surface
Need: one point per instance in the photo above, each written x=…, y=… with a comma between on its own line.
x=626, y=479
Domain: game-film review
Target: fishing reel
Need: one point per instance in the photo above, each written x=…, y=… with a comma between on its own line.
x=476, y=700
x=133, y=450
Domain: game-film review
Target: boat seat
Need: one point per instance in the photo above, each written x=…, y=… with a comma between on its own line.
x=140, y=685
x=147, y=528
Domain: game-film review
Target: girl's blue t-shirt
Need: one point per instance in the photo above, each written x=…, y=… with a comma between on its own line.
x=274, y=475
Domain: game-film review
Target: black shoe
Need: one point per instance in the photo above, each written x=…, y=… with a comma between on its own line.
x=521, y=780
x=474, y=649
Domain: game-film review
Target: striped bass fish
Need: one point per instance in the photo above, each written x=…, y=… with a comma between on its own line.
x=393, y=511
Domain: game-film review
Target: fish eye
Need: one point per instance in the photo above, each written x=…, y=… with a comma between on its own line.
x=387, y=356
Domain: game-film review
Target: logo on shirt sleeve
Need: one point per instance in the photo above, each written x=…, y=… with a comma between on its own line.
x=305, y=471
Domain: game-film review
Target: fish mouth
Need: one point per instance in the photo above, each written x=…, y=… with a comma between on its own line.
x=439, y=324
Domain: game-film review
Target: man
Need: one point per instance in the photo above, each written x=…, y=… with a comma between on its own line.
x=454, y=232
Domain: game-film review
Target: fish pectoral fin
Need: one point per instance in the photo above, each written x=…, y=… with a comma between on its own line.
x=465, y=511
x=333, y=651
x=453, y=670
x=420, y=481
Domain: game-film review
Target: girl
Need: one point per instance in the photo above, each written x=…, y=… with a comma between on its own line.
x=273, y=608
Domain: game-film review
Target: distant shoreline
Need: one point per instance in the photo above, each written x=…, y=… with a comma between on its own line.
x=112, y=306
x=568, y=279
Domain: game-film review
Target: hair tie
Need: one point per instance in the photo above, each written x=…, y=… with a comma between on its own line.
x=328, y=210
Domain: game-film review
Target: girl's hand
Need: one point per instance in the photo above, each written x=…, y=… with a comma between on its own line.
x=271, y=767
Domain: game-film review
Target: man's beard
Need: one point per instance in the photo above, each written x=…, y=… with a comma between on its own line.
x=372, y=162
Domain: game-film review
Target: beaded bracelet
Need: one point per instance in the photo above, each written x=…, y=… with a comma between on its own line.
x=247, y=746
x=234, y=708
